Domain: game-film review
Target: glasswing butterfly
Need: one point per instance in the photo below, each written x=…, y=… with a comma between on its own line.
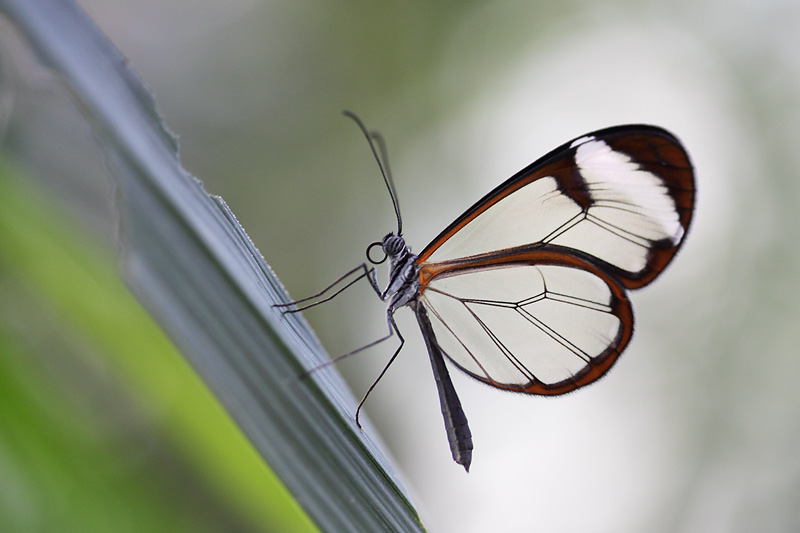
x=527, y=291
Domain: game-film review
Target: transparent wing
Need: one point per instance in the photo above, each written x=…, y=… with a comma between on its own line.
x=535, y=322
x=621, y=197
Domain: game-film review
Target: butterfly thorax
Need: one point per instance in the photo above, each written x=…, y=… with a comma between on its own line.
x=403, y=285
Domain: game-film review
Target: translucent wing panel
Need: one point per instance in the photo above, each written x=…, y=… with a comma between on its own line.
x=623, y=195
x=535, y=328
x=529, y=215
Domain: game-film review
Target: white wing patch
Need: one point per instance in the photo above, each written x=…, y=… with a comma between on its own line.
x=631, y=209
x=519, y=323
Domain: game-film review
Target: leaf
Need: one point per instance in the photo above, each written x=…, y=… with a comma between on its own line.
x=200, y=276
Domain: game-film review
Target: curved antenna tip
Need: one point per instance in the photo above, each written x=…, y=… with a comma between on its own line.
x=349, y=114
x=382, y=159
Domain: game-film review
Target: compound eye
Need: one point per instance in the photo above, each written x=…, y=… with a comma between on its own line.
x=393, y=244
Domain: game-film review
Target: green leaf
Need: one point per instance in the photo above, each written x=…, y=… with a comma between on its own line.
x=70, y=334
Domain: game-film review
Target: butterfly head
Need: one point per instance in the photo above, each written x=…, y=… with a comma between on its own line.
x=392, y=246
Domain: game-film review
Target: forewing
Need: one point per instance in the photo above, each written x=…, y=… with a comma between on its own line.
x=621, y=197
x=535, y=322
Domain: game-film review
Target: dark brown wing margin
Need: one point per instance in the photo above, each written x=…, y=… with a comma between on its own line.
x=653, y=148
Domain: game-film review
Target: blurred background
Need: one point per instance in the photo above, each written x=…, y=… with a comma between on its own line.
x=695, y=429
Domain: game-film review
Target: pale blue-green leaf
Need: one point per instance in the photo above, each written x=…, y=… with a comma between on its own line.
x=196, y=270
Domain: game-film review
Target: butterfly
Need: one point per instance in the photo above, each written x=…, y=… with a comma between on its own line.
x=527, y=291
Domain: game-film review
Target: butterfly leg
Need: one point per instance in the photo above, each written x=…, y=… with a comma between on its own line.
x=392, y=326
x=366, y=272
x=393, y=330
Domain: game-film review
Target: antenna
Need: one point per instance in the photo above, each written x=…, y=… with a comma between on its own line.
x=373, y=138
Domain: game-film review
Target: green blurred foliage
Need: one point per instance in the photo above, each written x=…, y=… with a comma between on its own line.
x=103, y=426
